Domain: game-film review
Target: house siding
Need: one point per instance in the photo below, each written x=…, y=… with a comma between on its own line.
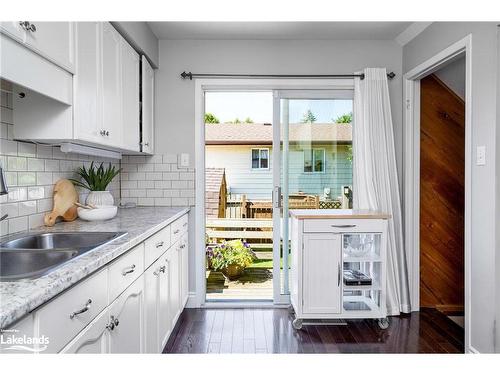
x=258, y=184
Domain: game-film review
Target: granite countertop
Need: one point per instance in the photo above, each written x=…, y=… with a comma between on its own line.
x=338, y=214
x=18, y=298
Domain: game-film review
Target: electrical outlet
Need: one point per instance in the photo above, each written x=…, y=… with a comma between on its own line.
x=184, y=162
x=481, y=155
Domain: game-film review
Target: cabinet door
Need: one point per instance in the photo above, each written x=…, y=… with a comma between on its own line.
x=54, y=41
x=174, y=281
x=130, y=100
x=126, y=312
x=87, y=81
x=184, y=249
x=14, y=30
x=321, y=279
x=111, y=86
x=147, y=99
x=151, y=307
x=93, y=339
x=164, y=317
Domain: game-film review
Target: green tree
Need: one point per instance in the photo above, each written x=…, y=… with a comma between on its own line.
x=346, y=118
x=308, y=117
x=211, y=119
x=248, y=120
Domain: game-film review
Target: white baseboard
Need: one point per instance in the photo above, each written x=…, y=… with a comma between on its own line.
x=191, y=301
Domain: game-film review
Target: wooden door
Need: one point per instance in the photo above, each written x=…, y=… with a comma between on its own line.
x=442, y=147
x=321, y=279
x=127, y=312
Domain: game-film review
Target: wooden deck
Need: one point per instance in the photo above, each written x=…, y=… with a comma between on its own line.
x=255, y=284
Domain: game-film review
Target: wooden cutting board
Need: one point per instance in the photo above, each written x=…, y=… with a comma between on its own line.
x=65, y=196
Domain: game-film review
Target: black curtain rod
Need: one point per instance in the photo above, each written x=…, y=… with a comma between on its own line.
x=190, y=75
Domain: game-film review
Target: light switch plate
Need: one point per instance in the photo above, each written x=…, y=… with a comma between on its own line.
x=184, y=162
x=481, y=155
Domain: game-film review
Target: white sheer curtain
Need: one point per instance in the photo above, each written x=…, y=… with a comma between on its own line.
x=375, y=179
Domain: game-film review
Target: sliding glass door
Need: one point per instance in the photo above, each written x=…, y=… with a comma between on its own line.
x=312, y=158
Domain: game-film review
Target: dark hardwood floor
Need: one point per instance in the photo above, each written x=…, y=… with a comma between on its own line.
x=270, y=331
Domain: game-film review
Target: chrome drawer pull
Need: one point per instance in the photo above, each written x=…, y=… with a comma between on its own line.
x=82, y=310
x=176, y=231
x=343, y=225
x=129, y=270
x=182, y=246
x=112, y=323
x=161, y=269
x=159, y=244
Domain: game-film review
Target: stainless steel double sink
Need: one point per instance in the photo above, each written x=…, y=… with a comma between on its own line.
x=36, y=254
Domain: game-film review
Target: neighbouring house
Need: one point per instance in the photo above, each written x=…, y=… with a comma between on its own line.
x=216, y=192
x=319, y=158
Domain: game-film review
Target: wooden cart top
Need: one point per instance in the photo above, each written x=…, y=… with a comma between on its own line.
x=339, y=214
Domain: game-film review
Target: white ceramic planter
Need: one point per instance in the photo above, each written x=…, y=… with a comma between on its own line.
x=100, y=198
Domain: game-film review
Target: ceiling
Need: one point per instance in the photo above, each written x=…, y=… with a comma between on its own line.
x=279, y=30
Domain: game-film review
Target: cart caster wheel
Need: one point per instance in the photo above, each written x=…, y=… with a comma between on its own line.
x=383, y=323
x=297, y=323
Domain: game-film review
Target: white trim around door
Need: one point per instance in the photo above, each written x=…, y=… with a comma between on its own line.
x=201, y=86
x=411, y=87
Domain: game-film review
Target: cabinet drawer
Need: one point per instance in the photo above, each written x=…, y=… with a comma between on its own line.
x=125, y=270
x=179, y=227
x=62, y=319
x=342, y=226
x=156, y=245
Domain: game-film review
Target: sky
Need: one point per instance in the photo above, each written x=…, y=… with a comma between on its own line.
x=227, y=106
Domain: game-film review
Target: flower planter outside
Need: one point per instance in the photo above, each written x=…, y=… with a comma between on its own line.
x=233, y=271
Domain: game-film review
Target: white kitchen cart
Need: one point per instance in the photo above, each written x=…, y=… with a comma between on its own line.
x=324, y=243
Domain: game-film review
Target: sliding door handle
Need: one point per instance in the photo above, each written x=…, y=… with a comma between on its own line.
x=277, y=197
x=338, y=277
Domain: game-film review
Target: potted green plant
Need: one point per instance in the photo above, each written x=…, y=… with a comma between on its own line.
x=230, y=257
x=96, y=179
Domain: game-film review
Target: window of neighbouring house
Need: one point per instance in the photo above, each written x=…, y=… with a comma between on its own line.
x=314, y=160
x=260, y=158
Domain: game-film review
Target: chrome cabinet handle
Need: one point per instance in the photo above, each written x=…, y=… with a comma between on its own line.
x=107, y=133
x=32, y=28
x=102, y=132
x=82, y=310
x=159, y=244
x=343, y=226
x=146, y=144
x=113, y=322
x=129, y=270
x=338, y=278
x=176, y=231
x=182, y=246
x=161, y=269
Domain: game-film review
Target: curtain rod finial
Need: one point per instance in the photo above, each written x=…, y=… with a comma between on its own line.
x=185, y=75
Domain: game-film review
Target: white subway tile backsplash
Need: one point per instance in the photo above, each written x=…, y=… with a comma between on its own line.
x=31, y=171
x=36, y=165
x=27, y=208
x=154, y=176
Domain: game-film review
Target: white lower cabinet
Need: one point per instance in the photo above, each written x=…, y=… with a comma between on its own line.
x=126, y=322
x=122, y=308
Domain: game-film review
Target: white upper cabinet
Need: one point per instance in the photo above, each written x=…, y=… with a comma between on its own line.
x=86, y=103
x=52, y=40
x=130, y=96
x=111, y=86
x=148, y=88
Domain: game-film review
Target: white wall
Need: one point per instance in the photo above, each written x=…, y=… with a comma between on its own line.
x=432, y=40
x=453, y=75
x=175, y=97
